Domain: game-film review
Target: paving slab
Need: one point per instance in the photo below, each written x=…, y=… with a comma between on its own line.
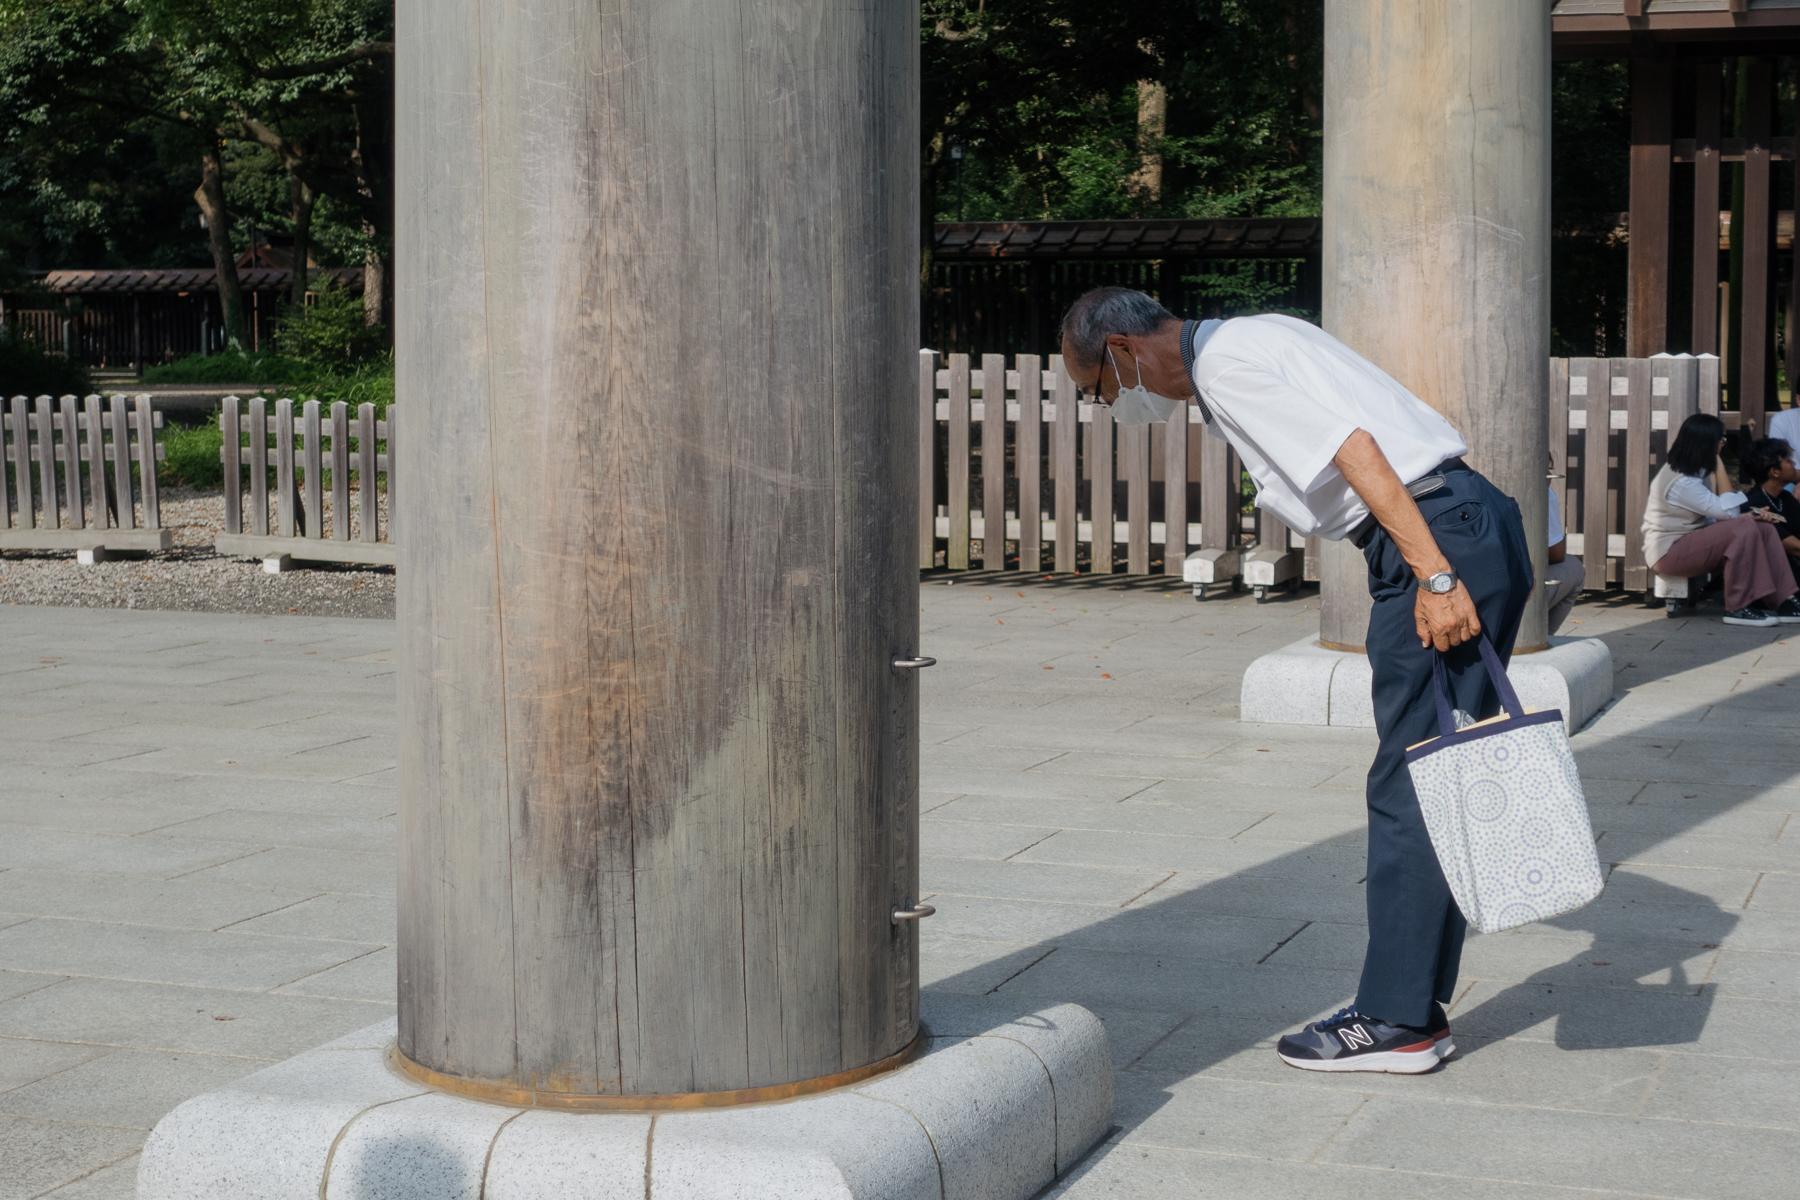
x=41, y=1155
x=227, y=960
x=1123, y=842
x=128, y=1088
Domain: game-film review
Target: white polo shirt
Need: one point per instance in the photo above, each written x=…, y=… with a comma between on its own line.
x=1287, y=395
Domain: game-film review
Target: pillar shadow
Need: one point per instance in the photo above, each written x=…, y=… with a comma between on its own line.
x=1321, y=883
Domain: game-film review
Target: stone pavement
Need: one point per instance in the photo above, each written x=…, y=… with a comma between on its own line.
x=197, y=861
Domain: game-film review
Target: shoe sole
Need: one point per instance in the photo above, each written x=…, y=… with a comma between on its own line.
x=1787, y=620
x=1387, y=1062
x=1756, y=624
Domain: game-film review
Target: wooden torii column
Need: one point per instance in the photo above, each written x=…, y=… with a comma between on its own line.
x=1437, y=246
x=658, y=332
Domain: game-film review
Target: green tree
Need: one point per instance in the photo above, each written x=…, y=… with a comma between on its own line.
x=307, y=80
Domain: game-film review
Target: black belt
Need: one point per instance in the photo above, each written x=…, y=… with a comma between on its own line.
x=1420, y=488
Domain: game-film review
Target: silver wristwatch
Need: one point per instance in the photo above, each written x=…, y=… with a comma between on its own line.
x=1441, y=584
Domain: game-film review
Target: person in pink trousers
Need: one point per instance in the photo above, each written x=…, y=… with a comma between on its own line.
x=1692, y=527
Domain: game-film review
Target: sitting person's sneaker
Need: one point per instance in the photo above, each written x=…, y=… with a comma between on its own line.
x=1789, y=612
x=1751, y=615
x=1349, y=1041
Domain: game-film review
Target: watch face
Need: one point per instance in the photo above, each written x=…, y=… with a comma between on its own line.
x=1442, y=584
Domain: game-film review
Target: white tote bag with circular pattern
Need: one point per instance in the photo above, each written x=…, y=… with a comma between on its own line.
x=1502, y=802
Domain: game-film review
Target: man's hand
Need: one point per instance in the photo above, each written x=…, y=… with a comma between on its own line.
x=1772, y=518
x=1447, y=620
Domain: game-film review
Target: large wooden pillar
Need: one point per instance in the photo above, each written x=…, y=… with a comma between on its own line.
x=1437, y=248
x=657, y=341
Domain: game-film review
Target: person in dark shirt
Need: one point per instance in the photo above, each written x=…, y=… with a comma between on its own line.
x=1767, y=469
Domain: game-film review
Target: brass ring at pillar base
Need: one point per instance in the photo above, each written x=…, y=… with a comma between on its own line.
x=511, y=1095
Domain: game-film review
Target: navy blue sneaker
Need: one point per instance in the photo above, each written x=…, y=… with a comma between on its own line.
x=1349, y=1041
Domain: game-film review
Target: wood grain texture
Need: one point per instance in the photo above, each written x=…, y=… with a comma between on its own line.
x=69, y=427
x=340, y=471
x=1705, y=295
x=1066, y=447
x=1596, y=522
x=957, y=555
x=6, y=461
x=148, y=491
x=1636, y=463
x=993, y=462
x=927, y=459
x=1437, y=238
x=367, y=493
x=1175, y=473
x=259, y=466
x=21, y=458
x=285, y=490
x=1754, y=383
x=231, y=461
x=658, y=792
x=1029, y=454
x=1559, y=436
x=312, y=431
x=1648, y=276
x=50, y=502
x=1134, y=465
x=118, y=418
x=1100, y=501
x=96, y=462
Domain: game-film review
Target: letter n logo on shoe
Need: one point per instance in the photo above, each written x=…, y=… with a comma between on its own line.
x=1355, y=1036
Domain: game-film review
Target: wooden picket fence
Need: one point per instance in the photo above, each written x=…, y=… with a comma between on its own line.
x=1078, y=494
x=320, y=448
x=80, y=453
x=1639, y=403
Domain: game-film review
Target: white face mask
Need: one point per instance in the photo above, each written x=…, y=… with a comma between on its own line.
x=1137, y=404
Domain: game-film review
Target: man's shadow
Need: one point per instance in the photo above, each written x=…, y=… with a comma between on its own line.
x=1164, y=948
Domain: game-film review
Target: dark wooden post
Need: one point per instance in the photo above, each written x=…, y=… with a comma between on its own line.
x=1793, y=313
x=658, y=334
x=1754, y=368
x=1707, y=82
x=1647, y=292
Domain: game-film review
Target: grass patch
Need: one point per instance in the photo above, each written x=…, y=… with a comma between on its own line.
x=192, y=456
x=281, y=377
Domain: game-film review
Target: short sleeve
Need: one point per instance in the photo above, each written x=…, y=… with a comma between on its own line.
x=1298, y=434
x=1553, y=512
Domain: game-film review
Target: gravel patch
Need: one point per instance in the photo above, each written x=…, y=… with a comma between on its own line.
x=191, y=577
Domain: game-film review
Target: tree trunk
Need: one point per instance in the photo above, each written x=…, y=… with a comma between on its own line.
x=210, y=196
x=375, y=287
x=1152, y=126
x=303, y=199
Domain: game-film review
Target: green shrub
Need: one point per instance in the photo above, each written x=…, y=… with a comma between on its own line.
x=27, y=371
x=331, y=332
x=232, y=367
x=192, y=456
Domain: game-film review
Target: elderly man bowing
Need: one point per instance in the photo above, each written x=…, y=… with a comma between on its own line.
x=1339, y=449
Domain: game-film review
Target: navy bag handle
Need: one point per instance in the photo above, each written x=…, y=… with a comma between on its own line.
x=1440, y=686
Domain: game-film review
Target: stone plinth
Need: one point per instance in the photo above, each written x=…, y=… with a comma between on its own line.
x=995, y=1109
x=1306, y=684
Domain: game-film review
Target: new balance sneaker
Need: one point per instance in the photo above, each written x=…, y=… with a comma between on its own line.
x=1349, y=1041
x=1751, y=615
x=1789, y=611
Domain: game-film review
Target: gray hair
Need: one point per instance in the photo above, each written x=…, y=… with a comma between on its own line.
x=1105, y=311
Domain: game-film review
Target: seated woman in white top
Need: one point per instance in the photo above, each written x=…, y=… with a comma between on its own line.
x=1692, y=526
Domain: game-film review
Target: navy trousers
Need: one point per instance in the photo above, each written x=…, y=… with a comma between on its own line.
x=1415, y=929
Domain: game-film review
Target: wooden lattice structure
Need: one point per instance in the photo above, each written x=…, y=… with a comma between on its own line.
x=69, y=468
x=1693, y=63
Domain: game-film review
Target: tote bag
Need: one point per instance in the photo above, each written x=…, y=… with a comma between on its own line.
x=1503, y=805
